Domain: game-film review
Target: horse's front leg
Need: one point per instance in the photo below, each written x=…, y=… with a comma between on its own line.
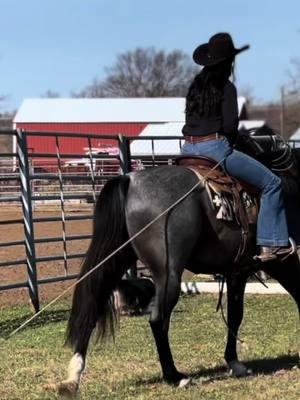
x=235, y=308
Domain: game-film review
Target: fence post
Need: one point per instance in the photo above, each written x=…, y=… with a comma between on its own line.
x=28, y=217
x=125, y=167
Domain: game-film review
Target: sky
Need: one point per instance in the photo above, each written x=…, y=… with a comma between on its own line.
x=62, y=45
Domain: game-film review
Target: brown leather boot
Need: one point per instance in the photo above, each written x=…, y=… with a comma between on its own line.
x=273, y=253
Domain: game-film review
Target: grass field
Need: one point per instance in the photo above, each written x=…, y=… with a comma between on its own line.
x=130, y=370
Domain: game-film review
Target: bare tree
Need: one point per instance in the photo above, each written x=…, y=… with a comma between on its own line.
x=6, y=123
x=290, y=99
x=145, y=72
x=95, y=89
x=247, y=92
x=294, y=75
x=50, y=94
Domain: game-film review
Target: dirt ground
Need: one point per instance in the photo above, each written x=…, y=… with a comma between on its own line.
x=11, y=232
x=14, y=274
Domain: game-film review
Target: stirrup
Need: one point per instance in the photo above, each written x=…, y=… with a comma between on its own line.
x=292, y=251
x=279, y=253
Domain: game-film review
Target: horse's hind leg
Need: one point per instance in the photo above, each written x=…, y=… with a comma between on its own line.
x=166, y=297
x=235, y=306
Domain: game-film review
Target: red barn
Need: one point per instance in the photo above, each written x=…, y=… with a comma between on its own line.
x=104, y=116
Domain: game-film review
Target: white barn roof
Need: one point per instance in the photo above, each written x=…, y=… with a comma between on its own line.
x=251, y=124
x=59, y=110
x=172, y=146
x=166, y=147
x=295, y=135
x=101, y=110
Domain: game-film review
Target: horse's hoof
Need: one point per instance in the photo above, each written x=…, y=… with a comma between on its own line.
x=177, y=379
x=185, y=382
x=67, y=388
x=50, y=387
x=238, y=370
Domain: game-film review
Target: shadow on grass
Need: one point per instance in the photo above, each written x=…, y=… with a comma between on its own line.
x=271, y=365
x=266, y=366
x=8, y=326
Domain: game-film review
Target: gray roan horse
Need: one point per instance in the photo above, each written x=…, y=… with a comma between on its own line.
x=188, y=236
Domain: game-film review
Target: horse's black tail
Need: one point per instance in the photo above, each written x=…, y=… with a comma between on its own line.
x=93, y=305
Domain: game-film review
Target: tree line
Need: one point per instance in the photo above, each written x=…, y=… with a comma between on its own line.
x=148, y=72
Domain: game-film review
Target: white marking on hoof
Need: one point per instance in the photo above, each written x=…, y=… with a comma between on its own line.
x=70, y=386
x=76, y=368
x=247, y=373
x=184, y=382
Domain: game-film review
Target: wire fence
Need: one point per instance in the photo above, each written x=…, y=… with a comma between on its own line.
x=47, y=198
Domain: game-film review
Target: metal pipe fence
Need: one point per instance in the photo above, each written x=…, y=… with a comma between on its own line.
x=47, y=200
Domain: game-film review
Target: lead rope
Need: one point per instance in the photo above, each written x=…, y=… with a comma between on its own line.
x=115, y=251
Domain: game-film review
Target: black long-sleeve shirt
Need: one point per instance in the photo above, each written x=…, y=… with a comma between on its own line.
x=224, y=121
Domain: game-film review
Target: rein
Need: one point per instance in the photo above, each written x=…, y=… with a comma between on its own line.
x=117, y=250
x=221, y=281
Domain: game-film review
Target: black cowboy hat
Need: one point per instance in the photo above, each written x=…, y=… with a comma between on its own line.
x=219, y=48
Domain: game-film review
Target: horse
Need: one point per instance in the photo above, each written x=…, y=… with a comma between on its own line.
x=187, y=236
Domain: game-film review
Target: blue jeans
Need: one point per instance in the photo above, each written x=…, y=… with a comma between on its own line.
x=271, y=225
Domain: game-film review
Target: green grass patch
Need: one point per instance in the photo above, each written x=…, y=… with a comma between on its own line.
x=129, y=369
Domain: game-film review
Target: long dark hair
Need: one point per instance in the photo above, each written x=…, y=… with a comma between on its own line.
x=205, y=93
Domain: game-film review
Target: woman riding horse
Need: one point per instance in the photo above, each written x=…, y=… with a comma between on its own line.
x=168, y=227
x=212, y=126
